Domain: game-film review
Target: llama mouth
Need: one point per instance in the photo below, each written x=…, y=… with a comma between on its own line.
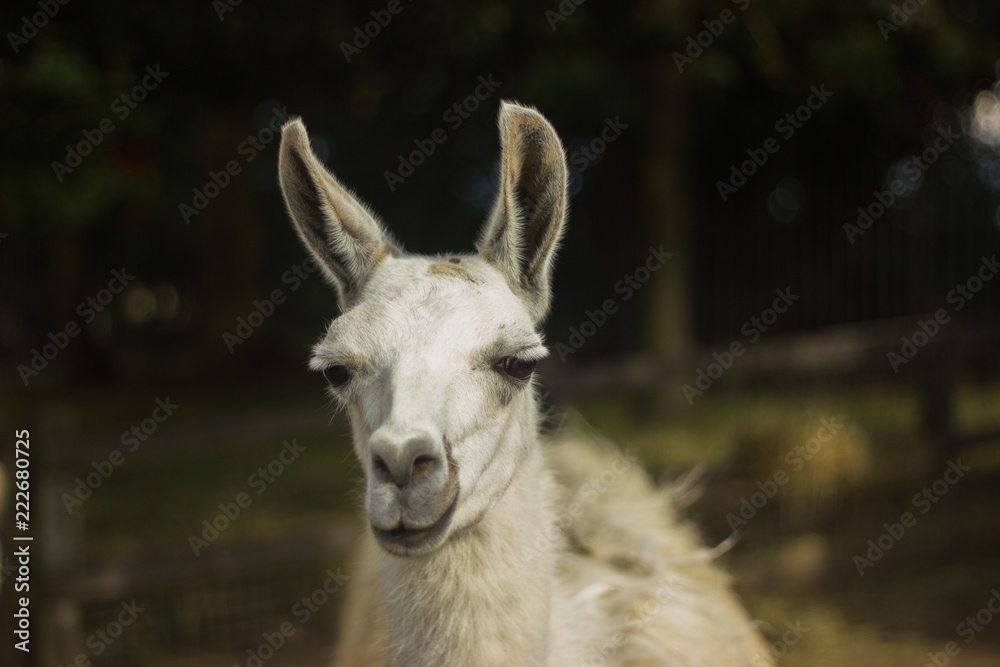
x=407, y=543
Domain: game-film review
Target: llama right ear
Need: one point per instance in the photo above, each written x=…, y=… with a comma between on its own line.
x=337, y=229
x=521, y=236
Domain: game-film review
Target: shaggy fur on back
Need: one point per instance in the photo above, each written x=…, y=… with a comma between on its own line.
x=655, y=594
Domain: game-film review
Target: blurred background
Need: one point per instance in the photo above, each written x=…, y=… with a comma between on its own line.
x=822, y=344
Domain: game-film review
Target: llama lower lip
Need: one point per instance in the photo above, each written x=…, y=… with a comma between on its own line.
x=406, y=536
x=403, y=542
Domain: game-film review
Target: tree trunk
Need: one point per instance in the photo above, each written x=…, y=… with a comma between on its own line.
x=669, y=326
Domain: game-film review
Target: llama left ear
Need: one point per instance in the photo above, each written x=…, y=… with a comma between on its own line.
x=522, y=233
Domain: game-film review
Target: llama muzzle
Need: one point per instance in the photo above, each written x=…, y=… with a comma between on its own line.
x=412, y=490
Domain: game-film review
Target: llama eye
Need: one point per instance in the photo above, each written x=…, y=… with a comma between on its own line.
x=337, y=376
x=518, y=369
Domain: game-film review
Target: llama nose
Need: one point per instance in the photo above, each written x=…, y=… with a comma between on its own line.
x=405, y=461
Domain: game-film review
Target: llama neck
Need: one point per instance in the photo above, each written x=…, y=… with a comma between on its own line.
x=483, y=598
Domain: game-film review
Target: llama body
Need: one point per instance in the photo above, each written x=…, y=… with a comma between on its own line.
x=484, y=546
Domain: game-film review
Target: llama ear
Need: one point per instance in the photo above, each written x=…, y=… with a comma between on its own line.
x=336, y=228
x=522, y=233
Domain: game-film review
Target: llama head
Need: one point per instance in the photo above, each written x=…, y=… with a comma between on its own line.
x=433, y=356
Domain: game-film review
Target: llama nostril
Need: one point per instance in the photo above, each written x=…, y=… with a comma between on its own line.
x=422, y=465
x=380, y=467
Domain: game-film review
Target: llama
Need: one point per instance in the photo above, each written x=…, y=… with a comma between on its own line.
x=485, y=547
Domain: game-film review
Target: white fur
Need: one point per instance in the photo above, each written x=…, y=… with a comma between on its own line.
x=562, y=554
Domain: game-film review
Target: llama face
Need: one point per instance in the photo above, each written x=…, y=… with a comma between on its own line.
x=433, y=357
x=434, y=364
